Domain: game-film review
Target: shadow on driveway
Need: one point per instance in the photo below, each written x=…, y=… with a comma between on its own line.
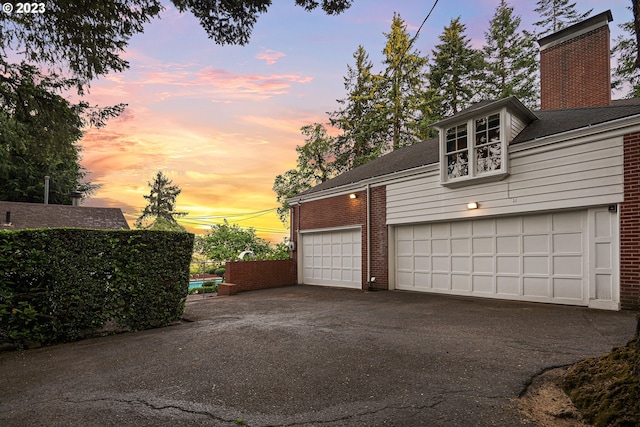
x=309, y=356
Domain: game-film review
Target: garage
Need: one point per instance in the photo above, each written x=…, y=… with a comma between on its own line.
x=539, y=257
x=332, y=258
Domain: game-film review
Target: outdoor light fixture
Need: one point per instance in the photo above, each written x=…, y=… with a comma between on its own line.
x=353, y=196
x=472, y=205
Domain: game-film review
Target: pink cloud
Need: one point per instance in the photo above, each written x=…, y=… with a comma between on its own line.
x=270, y=56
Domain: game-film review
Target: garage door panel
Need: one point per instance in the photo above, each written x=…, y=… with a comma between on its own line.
x=440, y=281
x=536, y=244
x=483, y=284
x=332, y=258
x=536, y=224
x=567, y=243
x=460, y=246
x=482, y=245
x=570, y=265
x=483, y=264
x=441, y=263
x=460, y=264
x=461, y=282
x=567, y=288
x=536, y=286
x=508, y=264
x=508, y=244
x=537, y=257
x=508, y=285
x=565, y=221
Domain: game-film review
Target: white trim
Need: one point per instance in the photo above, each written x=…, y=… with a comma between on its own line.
x=322, y=230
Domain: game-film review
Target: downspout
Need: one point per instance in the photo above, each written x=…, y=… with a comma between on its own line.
x=369, y=282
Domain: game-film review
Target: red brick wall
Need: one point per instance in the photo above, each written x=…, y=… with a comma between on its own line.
x=379, y=238
x=576, y=73
x=341, y=211
x=630, y=225
x=254, y=275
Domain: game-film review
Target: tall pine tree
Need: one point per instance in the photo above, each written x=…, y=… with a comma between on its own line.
x=626, y=76
x=557, y=14
x=405, y=82
x=161, y=204
x=455, y=70
x=361, y=119
x=510, y=59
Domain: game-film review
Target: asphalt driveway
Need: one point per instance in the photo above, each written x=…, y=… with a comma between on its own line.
x=309, y=356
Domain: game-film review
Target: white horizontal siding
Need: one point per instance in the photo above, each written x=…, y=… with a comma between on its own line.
x=558, y=176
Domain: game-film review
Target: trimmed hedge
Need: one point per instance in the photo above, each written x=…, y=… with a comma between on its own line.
x=59, y=285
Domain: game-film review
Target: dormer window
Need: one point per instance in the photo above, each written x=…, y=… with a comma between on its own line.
x=473, y=143
x=474, y=149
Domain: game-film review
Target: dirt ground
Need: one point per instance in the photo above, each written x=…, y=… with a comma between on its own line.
x=545, y=403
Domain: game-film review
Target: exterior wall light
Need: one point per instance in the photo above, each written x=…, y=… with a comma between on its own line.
x=353, y=196
x=472, y=205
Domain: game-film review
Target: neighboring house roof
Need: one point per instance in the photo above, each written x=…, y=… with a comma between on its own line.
x=548, y=122
x=39, y=215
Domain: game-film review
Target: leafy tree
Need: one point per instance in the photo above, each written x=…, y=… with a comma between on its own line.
x=557, y=14
x=404, y=82
x=510, y=59
x=315, y=165
x=626, y=75
x=161, y=204
x=287, y=185
x=315, y=157
x=225, y=242
x=361, y=119
x=454, y=71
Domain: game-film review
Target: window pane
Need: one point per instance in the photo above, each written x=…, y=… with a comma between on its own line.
x=494, y=121
x=458, y=164
x=494, y=135
x=488, y=158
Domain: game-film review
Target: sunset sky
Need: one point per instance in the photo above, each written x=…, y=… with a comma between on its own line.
x=223, y=121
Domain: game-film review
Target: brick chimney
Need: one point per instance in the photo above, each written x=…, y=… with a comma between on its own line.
x=575, y=69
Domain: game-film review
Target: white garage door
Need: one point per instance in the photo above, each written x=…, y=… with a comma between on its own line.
x=332, y=258
x=531, y=258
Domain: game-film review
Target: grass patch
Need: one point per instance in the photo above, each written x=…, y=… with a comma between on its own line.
x=606, y=390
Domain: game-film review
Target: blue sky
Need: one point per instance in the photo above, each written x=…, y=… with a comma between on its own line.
x=223, y=121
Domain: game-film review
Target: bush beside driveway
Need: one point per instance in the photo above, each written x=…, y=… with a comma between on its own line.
x=305, y=355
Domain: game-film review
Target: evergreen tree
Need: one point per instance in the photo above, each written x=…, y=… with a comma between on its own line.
x=510, y=59
x=39, y=132
x=557, y=14
x=361, y=120
x=403, y=93
x=454, y=73
x=161, y=203
x=626, y=76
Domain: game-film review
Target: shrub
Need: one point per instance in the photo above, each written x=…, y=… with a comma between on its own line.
x=219, y=271
x=64, y=284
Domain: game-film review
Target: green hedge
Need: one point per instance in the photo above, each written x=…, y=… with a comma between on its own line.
x=59, y=285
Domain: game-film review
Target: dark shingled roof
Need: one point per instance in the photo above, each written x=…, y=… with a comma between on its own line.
x=550, y=122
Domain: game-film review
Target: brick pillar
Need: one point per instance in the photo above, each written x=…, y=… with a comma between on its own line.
x=630, y=225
